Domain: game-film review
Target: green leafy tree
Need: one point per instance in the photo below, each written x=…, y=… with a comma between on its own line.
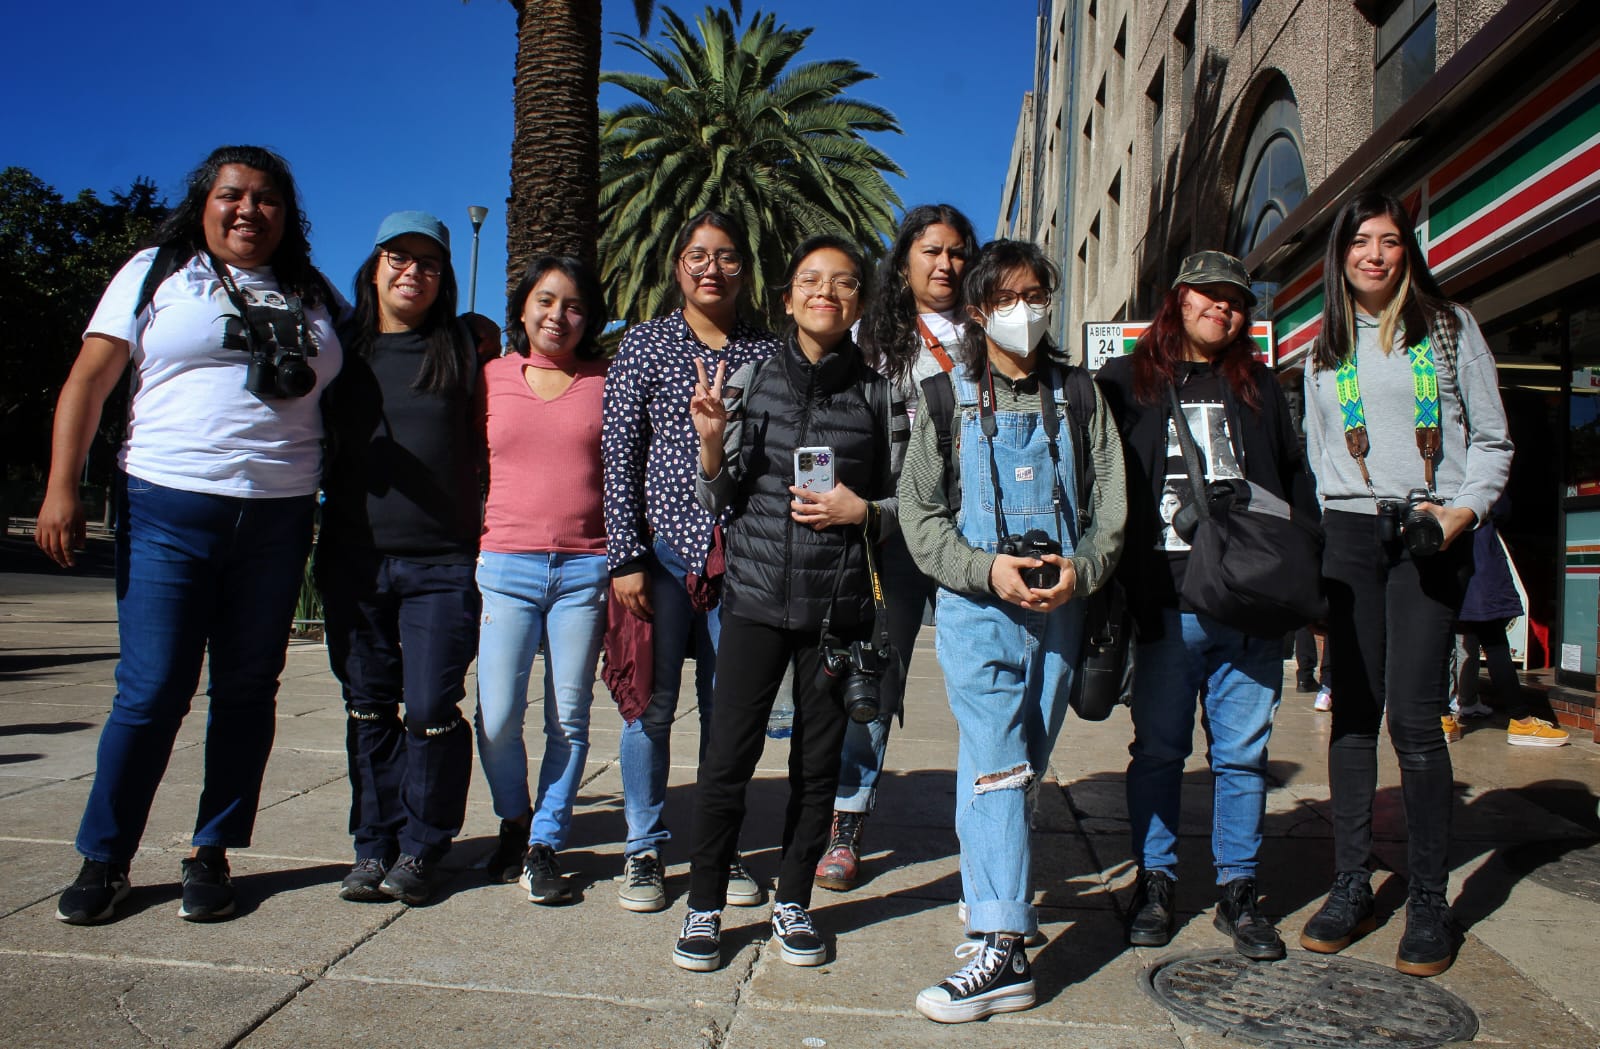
x=728, y=124
x=56, y=257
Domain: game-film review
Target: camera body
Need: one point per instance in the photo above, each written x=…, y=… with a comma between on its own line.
x=278, y=354
x=1033, y=543
x=859, y=666
x=1421, y=530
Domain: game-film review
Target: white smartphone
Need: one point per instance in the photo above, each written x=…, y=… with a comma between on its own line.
x=813, y=468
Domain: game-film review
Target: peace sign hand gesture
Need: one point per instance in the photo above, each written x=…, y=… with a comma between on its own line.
x=706, y=409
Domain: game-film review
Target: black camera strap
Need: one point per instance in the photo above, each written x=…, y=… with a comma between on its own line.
x=880, y=610
x=1052, y=426
x=1191, y=455
x=251, y=339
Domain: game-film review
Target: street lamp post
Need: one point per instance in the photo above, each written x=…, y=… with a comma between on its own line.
x=477, y=213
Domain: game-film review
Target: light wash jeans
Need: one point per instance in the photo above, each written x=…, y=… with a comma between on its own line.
x=1237, y=679
x=560, y=599
x=646, y=746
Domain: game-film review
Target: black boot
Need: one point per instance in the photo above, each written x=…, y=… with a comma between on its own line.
x=1344, y=915
x=1153, y=917
x=1431, y=939
x=1239, y=916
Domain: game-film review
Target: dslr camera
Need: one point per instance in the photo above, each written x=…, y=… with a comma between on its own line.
x=1423, y=533
x=1033, y=543
x=278, y=349
x=860, y=667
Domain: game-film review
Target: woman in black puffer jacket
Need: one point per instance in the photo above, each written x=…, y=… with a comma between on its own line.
x=797, y=559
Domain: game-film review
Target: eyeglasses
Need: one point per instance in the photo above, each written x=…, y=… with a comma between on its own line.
x=401, y=262
x=696, y=261
x=809, y=283
x=1004, y=300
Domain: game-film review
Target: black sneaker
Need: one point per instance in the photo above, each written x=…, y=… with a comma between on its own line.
x=1344, y=915
x=410, y=881
x=1431, y=939
x=1306, y=683
x=699, y=946
x=1152, y=919
x=541, y=876
x=94, y=896
x=1239, y=915
x=207, y=888
x=505, y=863
x=998, y=979
x=361, y=885
x=798, y=941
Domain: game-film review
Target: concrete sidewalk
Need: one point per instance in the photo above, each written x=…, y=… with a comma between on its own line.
x=483, y=967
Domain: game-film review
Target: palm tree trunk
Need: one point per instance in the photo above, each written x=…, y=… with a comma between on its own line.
x=555, y=166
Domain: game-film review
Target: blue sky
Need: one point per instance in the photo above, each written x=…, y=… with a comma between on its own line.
x=387, y=104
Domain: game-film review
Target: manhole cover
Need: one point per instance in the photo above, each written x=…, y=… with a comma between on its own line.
x=1571, y=866
x=1309, y=999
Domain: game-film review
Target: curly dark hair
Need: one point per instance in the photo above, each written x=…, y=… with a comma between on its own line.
x=291, y=262
x=888, y=333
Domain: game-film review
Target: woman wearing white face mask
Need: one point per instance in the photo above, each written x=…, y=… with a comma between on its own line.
x=1008, y=649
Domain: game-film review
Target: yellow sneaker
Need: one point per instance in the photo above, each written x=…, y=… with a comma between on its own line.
x=1452, y=729
x=1535, y=732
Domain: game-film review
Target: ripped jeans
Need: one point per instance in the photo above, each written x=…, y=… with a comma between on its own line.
x=1008, y=672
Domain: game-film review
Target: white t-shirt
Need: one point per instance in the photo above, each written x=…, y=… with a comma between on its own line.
x=191, y=423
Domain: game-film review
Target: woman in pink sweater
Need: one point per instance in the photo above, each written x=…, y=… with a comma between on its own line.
x=542, y=570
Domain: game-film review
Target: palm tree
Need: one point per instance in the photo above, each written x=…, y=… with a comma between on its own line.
x=555, y=142
x=728, y=125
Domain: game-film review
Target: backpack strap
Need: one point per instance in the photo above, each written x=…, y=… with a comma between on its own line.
x=165, y=264
x=939, y=401
x=1080, y=409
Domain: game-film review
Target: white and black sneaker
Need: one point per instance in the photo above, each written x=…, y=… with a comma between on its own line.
x=93, y=897
x=798, y=941
x=998, y=979
x=541, y=876
x=699, y=947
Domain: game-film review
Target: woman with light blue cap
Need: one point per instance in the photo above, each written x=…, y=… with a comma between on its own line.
x=395, y=558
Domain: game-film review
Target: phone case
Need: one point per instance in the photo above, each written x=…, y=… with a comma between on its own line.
x=813, y=468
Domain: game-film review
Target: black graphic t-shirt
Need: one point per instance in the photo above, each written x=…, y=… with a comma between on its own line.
x=1201, y=397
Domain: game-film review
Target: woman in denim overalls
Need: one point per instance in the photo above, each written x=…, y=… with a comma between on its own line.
x=1008, y=650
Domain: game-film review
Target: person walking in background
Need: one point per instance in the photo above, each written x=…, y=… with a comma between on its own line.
x=1407, y=437
x=542, y=572
x=1009, y=629
x=908, y=332
x=658, y=535
x=797, y=590
x=229, y=329
x=1199, y=347
x=394, y=558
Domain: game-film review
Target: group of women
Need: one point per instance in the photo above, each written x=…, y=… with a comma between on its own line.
x=489, y=506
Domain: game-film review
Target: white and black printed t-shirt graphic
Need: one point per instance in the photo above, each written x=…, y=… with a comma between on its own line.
x=1201, y=397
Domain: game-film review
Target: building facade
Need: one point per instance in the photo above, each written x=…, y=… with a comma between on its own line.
x=1246, y=124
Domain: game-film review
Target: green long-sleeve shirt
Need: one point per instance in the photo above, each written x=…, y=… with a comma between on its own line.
x=929, y=523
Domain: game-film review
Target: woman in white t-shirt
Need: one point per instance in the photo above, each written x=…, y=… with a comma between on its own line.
x=227, y=326
x=907, y=333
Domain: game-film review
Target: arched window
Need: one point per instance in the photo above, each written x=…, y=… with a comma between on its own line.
x=1272, y=178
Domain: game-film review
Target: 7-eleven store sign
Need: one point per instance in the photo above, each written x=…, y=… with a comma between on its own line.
x=1536, y=163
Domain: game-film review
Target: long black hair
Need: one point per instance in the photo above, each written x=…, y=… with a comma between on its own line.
x=447, y=353
x=291, y=262
x=594, y=304
x=1417, y=305
x=982, y=280
x=888, y=334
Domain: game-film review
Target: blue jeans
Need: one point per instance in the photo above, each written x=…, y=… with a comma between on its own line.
x=906, y=593
x=1008, y=672
x=1236, y=679
x=197, y=575
x=401, y=632
x=560, y=599
x=645, y=749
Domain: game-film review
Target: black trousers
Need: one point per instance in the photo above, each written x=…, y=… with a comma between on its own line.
x=751, y=660
x=1390, y=637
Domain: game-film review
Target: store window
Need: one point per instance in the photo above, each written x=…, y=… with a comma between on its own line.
x=1272, y=177
x=1406, y=49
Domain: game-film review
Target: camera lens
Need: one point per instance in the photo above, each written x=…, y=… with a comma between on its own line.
x=295, y=377
x=861, y=698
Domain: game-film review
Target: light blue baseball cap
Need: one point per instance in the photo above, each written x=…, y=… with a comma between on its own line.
x=402, y=222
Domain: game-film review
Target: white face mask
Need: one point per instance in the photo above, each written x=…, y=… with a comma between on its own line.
x=1018, y=328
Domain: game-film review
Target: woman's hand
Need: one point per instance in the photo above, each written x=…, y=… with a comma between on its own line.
x=1454, y=520
x=486, y=332
x=633, y=591
x=709, y=414
x=837, y=506
x=61, y=528
x=1005, y=579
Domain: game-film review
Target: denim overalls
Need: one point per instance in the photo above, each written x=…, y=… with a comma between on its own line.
x=1007, y=669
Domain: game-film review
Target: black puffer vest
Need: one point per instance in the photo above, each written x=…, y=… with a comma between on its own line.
x=781, y=573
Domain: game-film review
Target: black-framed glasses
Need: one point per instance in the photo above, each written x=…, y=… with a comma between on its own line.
x=1004, y=300
x=697, y=260
x=809, y=283
x=399, y=261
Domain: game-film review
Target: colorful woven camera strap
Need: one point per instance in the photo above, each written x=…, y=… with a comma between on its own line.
x=1425, y=386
